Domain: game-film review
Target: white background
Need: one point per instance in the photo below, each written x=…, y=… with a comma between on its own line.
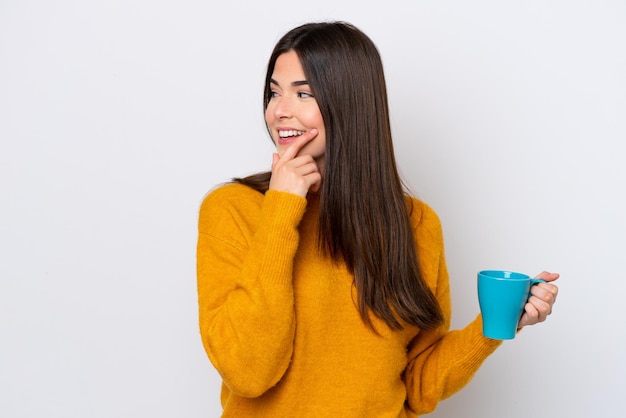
x=116, y=117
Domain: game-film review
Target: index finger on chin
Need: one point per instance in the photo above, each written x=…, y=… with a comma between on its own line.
x=295, y=147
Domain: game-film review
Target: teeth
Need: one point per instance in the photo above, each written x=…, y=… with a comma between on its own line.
x=286, y=134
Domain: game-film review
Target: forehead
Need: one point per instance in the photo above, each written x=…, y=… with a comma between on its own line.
x=288, y=67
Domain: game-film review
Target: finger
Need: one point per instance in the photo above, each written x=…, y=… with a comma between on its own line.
x=543, y=307
x=295, y=176
x=539, y=305
x=547, y=276
x=302, y=161
x=300, y=165
x=543, y=298
x=315, y=179
x=532, y=315
x=295, y=147
x=312, y=174
x=545, y=291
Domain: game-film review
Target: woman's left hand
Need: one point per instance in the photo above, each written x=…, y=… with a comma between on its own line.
x=543, y=296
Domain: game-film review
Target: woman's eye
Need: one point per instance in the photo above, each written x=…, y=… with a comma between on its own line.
x=304, y=95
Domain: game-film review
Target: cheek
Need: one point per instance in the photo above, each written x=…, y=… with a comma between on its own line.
x=317, y=147
x=314, y=118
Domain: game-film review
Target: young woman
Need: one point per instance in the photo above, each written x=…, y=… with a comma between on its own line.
x=323, y=289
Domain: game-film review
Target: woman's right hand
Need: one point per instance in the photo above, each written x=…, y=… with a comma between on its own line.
x=295, y=173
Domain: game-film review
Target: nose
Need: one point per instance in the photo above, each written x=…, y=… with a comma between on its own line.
x=283, y=108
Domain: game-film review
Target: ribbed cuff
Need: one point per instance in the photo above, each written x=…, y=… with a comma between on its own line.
x=478, y=346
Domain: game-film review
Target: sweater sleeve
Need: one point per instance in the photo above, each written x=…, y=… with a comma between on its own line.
x=245, y=293
x=441, y=362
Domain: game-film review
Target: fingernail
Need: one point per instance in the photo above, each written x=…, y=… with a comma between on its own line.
x=313, y=131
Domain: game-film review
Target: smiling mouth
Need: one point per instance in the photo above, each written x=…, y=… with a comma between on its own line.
x=289, y=134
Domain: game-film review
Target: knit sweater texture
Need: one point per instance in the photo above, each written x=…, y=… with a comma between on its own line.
x=279, y=320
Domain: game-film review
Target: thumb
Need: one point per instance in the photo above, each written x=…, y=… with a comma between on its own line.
x=547, y=276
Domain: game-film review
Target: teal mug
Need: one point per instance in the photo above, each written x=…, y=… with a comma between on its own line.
x=502, y=296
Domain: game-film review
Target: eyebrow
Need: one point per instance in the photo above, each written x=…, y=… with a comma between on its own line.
x=294, y=84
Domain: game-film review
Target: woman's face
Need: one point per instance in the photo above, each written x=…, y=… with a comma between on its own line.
x=292, y=109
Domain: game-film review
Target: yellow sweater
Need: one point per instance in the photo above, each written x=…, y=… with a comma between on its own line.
x=279, y=322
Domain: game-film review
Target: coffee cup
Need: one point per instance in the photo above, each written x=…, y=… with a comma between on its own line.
x=502, y=295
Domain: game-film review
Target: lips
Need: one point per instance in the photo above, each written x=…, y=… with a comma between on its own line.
x=285, y=136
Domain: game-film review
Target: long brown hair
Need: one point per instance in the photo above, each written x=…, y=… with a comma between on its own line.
x=364, y=218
